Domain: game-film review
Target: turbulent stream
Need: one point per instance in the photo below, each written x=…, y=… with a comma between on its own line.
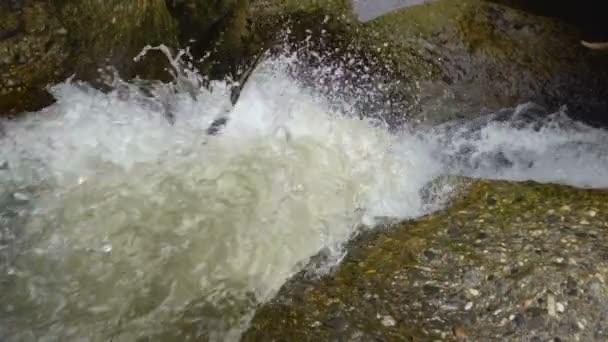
x=114, y=223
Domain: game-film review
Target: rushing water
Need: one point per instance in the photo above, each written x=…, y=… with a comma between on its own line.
x=114, y=222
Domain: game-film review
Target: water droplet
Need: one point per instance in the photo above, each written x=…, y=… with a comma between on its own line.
x=282, y=133
x=107, y=248
x=20, y=196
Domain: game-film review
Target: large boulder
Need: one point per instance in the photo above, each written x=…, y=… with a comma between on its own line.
x=587, y=15
x=33, y=51
x=433, y=62
x=218, y=31
x=113, y=32
x=439, y=61
x=507, y=261
x=43, y=42
x=489, y=55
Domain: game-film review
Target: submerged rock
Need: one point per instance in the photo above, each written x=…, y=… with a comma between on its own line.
x=505, y=261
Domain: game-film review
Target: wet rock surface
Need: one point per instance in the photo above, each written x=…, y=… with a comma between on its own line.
x=442, y=60
x=33, y=51
x=488, y=55
x=45, y=42
x=507, y=261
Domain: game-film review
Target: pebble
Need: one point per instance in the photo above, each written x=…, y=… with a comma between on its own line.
x=459, y=333
x=519, y=320
x=474, y=292
x=560, y=307
x=591, y=213
x=537, y=322
x=595, y=289
x=388, y=321
x=468, y=306
x=472, y=278
x=551, y=306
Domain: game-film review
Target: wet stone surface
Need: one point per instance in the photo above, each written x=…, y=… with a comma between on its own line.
x=33, y=49
x=508, y=261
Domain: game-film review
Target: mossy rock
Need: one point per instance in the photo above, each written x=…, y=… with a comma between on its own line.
x=44, y=42
x=505, y=261
x=439, y=61
x=33, y=51
x=217, y=30
x=435, y=61
x=112, y=33
x=338, y=53
x=492, y=56
x=584, y=14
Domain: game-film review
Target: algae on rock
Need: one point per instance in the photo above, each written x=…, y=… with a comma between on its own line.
x=503, y=262
x=445, y=59
x=44, y=42
x=33, y=52
x=113, y=32
x=492, y=56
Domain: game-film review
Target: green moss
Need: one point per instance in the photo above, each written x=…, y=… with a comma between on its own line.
x=114, y=32
x=33, y=52
x=280, y=7
x=489, y=56
x=422, y=20
x=383, y=263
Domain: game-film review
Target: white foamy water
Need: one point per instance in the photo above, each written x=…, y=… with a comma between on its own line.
x=114, y=222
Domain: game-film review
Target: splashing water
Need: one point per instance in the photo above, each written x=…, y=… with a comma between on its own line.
x=115, y=222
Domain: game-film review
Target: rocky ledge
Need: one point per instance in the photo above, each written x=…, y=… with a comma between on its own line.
x=507, y=261
x=438, y=61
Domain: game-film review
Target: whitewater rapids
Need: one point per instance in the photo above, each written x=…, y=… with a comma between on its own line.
x=113, y=221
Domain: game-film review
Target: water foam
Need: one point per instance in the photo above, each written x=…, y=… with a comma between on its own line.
x=134, y=217
x=116, y=221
